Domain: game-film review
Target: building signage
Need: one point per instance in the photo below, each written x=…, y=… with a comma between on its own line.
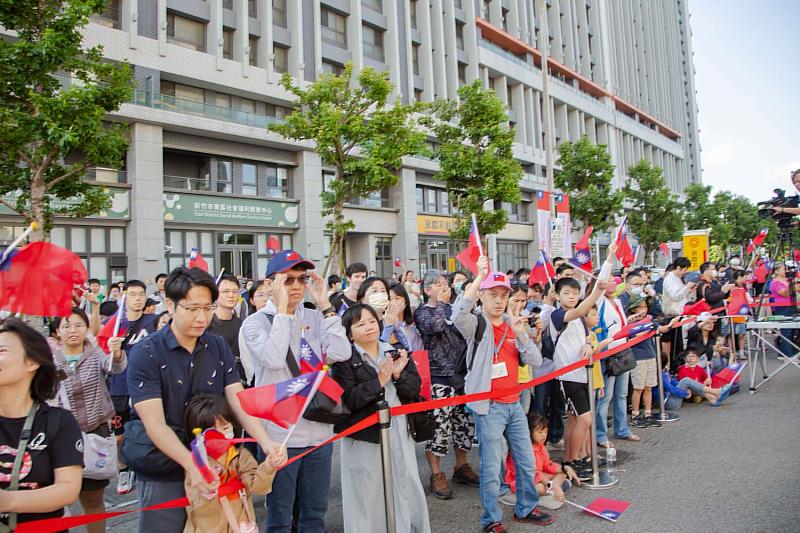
x=433, y=225
x=695, y=247
x=119, y=209
x=199, y=208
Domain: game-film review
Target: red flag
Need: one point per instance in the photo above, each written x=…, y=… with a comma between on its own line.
x=665, y=250
x=696, y=308
x=107, y=331
x=608, y=508
x=424, y=370
x=738, y=304
x=751, y=247
x=469, y=256
x=583, y=253
x=273, y=244
x=397, y=262
x=758, y=240
x=281, y=402
x=624, y=251
x=543, y=271
x=196, y=260
x=38, y=280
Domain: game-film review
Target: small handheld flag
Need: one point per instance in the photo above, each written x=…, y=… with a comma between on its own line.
x=281, y=402
x=583, y=253
x=630, y=330
x=474, y=250
x=114, y=327
x=608, y=508
x=665, y=250
x=200, y=455
x=624, y=251
x=309, y=362
x=196, y=260
x=696, y=308
x=543, y=271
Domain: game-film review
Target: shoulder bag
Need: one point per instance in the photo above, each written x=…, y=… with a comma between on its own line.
x=99, y=453
x=24, y=437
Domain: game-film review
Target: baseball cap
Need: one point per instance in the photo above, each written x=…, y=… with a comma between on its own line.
x=286, y=260
x=705, y=316
x=496, y=279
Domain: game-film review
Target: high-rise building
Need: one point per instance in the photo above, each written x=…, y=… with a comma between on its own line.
x=202, y=171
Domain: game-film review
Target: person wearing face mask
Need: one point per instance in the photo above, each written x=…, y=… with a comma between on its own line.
x=734, y=266
x=711, y=289
x=375, y=293
x=458, y=280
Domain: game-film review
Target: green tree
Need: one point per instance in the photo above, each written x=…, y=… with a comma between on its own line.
x=586, y=175
x=51, y=134
x=655, y=215
x=344, y=115
x=699, y=211
x=475, y=155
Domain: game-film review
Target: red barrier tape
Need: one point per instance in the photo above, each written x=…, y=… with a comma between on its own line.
x=53, y=525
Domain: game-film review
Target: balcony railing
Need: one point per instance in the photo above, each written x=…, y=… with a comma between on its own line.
x=485, y=43
x=186, y=183
x=109, y=18
x=190, y=107
x=106, y=175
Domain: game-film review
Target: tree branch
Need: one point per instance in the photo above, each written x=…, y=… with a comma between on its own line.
x=11, y=207
x=81, y=169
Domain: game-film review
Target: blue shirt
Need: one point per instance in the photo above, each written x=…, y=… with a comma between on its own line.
x=159, y=367
x=642, y=351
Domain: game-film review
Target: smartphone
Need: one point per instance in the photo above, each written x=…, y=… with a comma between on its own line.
x=394, y=354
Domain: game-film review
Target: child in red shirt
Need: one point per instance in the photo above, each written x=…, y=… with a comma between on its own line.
x=551, y=479
x=693, y=378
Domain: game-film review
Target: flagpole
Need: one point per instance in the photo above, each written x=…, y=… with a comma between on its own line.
x=117, y=323
x=14, y=245
x=314, y=389
x=477, y=234
x=219, y=277
x=589, y=510
x=545, y=260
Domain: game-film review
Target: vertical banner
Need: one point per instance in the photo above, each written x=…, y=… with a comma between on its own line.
x=562, y=211
x=695, y=247
x=543, y=220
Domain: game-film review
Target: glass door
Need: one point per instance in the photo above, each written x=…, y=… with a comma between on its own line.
x=237, y=261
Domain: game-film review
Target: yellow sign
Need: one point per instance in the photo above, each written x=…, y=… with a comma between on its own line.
x=695, y=247
x=433, y=225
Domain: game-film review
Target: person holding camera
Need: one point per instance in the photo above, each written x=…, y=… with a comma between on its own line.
x=780, y=210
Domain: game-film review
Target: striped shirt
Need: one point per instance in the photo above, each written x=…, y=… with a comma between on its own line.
x=85, y=386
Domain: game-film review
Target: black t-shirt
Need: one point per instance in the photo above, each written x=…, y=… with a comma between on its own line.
x=56, y=442
x=228, y=330
x=340, y=299
x=134, y=333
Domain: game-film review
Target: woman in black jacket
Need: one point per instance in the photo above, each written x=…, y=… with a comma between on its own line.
x=374, y=373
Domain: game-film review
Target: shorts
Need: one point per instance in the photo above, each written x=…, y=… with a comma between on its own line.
x=645, y=374
x=122, y=406
x=577, y=395
x=453, y=423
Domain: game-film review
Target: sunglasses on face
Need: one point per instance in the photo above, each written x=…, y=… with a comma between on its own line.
x=291, y=280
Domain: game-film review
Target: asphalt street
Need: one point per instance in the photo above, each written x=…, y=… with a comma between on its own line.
x=734, y=468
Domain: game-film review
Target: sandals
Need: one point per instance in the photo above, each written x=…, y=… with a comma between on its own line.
x=631, y=438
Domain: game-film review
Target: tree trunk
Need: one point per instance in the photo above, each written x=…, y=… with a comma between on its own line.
x=36, y=213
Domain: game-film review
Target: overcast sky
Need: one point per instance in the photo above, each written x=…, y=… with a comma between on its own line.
x=747, y=58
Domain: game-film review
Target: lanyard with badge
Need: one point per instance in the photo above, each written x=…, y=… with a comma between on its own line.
x=499, y=369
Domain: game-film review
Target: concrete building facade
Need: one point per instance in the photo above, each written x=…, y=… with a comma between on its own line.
x=202, y=170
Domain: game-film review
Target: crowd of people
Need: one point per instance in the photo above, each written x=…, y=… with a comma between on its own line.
x=189, y=344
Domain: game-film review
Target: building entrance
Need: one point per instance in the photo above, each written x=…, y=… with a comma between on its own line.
x=237, y=253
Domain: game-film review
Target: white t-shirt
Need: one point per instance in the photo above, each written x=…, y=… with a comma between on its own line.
x=569, y=348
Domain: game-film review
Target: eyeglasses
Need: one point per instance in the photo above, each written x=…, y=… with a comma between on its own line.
x=303, y=280
x=205, y=310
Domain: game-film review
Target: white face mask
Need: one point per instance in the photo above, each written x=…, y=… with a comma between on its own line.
x=228, y=432
x=378, y=301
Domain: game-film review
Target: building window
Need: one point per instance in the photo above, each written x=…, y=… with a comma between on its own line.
x=334, y=28
x=329, y=67
x=227, y=44
x=277, y=182
x=415, y=58
x=413, y=14
x=375, y=5
x=517, y=212
x=101, y=249
x=459, y=36
x=375, y=199
x=225, y=176
x=280, y=60
x=110, y=16
x=253, y=44
x=227, y=4
x=462, y=75
x=512, y=256
x=186, y=33
x=252, y=8
x=180, y=244
x=186, y=170
x=250, y=179
x=420, y=200
x=373, y=43
x=383, y=257
x=433, y=200
x=279, y=13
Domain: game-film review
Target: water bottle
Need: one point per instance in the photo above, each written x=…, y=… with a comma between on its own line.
x=611, y=459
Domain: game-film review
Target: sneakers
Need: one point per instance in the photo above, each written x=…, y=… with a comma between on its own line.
x=638, y=421
x=126, y=481
x=439, y=487
x=653, y=421
x=509, y=498
x=465, y=475
x=536, y=518
x=582, y=471
x=496, y=527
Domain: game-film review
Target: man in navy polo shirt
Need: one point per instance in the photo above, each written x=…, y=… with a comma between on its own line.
x=164, y=371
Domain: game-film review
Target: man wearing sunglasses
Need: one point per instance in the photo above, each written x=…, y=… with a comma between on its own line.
x=272, y=335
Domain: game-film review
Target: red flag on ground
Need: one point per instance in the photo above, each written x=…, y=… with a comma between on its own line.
x=696, y=308
x=624, y=251
x=469, y=256
x=196, y=260
x=608, y=508
x=583, y=253
x=424, y=370
x=543, y=271
x=38, y=280
x=665, y=250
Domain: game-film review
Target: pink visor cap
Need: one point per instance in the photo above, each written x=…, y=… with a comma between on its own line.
x=496, y=279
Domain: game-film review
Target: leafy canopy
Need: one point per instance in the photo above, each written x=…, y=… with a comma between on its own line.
x=50, y=134
x=475, y=156
x=586, y=175
x=655, y=214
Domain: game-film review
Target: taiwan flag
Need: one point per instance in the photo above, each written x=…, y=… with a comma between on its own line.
x=583, y=254
x=608, y=508
x=634, y=329
x=624, y=251
x=758, y=240
x=665, y=250
x=309, y=362
x=738, y=304
x=696, y=308
x=543, y=271
x=107, y=331
x=196, y=260
x=273, y=245
x=469, y=256
x=281, y=403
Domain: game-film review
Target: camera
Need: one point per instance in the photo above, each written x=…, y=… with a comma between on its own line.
x=784, y=220
x=534, y=316
x=394, y=354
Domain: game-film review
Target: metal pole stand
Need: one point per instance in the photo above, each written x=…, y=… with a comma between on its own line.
x=384, y=424
x=665, y=416
x=600, y=479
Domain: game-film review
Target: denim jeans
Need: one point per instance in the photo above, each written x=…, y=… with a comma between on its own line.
x=616, y=391
x=525, y=400
x=781, y=343
x=508, y=419
x=309, y=482
x=154, y=492
x=673, y=403
x=548, y=401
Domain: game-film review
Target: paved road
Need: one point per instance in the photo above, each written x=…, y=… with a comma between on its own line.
x=734, y=468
